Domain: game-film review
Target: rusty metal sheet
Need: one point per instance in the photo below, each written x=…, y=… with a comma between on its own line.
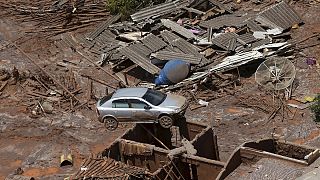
x=246, y=38
x=106, y=168
x=169, y=55
x=280, y=15
x=102, y=27
x=178, y=29
x=226, y=20
x=153, y=42
x=159, y=10
x=140, y=59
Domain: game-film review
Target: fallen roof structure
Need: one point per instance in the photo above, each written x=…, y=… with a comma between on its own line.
x=106, y=168
x=190, y=151
x=168, y=153
x=211, y=36
x=269, y=158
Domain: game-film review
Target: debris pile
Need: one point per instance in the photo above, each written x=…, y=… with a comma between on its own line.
x=56, y=16
x=211, y=36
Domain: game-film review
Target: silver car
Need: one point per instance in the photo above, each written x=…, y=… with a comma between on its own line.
x=140, y=105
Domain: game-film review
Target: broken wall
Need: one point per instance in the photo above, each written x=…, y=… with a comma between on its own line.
x=193, y=129
x=206, y=144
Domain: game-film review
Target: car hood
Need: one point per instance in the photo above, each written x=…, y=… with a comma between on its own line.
x=173, y=101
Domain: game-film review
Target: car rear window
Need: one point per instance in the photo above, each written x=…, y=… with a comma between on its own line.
x=105, y=98
x=154, y=97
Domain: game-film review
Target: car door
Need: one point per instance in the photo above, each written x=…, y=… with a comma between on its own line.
x=139, y=112
x=121, y=109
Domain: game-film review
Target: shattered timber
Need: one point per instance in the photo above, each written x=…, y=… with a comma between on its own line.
x=253, y=74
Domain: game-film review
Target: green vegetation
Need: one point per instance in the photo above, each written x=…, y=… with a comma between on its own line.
x=315, y=108
x=127, y=7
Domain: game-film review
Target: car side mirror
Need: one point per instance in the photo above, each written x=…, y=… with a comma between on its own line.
x=147, y=107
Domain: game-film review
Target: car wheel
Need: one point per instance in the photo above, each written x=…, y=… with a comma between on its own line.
x=110, y=123
x=166, y=121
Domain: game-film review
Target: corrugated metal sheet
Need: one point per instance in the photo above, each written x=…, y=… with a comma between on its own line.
x=260, y=43
x=159, y=10
x=280, y=15
x=102, y=27
x=221, y=6
x=226, y=20
x=169, y=55
x=232, y=44
x=178, y=29
x=169, y=36
x=141, y=49
x=69, y=40
x=225, y=41
x=246, y=38
x=153, y=42
x=86, y=43
x=186, y=47
x=253, y=26
x=139, y=59
x=107, y=168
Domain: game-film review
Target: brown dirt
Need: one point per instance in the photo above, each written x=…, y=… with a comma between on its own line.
x=22, y=137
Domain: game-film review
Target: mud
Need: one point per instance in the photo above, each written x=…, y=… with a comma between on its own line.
x=35, y=145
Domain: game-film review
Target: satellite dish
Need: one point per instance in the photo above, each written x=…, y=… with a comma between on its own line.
x=275, y=73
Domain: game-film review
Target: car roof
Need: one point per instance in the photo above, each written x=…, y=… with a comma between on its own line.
x=130, y=92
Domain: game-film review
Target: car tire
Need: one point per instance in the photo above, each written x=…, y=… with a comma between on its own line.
x=165, y=121
x=110, y=123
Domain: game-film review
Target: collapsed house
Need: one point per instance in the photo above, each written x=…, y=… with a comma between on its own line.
x=211, y=37
x=190, y=151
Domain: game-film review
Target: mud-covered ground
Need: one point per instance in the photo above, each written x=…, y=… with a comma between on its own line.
x=36, y=144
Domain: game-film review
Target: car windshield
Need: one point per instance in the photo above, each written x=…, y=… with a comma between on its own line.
x=154, y=97
x=105, y=99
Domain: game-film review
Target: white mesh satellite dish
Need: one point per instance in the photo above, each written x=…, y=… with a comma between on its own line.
x=275, y=73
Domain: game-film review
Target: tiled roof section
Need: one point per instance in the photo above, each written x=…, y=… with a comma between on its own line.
x=153, y=42
x=168, y=36
x=159, y=10
x=107, y=168
x=253, y=26
x=280, y=15
x=178, y=29
x=226, y=20
x=139, y=58
x=102, y=27
x=246, y=38
x=225, y=41
x=169, y=55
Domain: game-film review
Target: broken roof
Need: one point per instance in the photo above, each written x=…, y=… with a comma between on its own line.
x=106, y=168
x=280, y=15
x=159, y=10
